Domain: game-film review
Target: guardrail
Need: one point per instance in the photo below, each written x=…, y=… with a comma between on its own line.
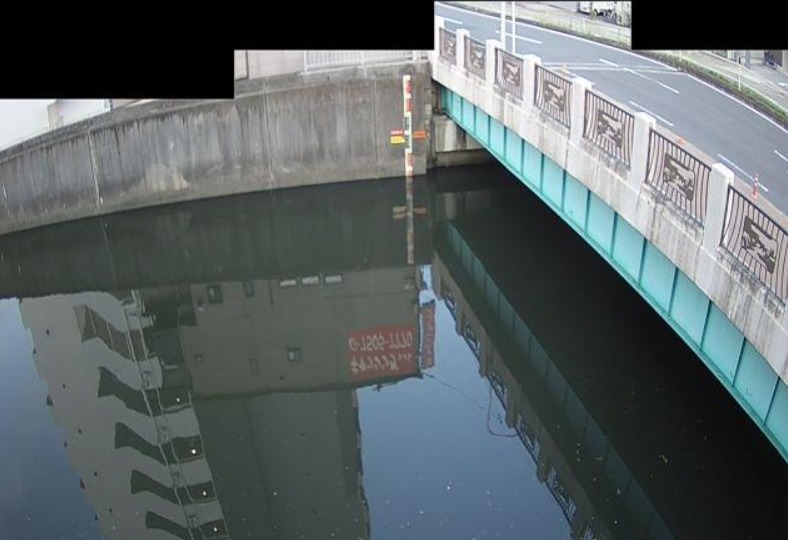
x=749, y=231
x=320, y=60
x=250, y=65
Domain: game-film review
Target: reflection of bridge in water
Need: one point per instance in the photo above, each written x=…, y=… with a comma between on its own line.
x=551, y=421
x=613, y=475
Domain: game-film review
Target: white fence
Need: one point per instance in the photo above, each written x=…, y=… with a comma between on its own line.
x=258, y=64
x=318, y=60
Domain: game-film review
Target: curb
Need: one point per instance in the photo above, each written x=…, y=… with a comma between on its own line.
x=757, y=101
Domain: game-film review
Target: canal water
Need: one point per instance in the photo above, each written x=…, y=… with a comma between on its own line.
x=295, y=365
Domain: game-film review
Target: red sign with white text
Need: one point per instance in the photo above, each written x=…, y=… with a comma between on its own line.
x=380, y=352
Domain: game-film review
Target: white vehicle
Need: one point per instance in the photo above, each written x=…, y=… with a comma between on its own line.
x=596, y=8
x=584, y=7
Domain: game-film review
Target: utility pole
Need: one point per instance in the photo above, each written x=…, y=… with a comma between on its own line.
x=504, y=32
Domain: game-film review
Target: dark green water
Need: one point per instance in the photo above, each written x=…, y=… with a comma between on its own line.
x=271, y=366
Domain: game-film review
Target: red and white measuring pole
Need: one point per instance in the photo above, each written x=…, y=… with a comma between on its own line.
x=408, y=133
x=407, y=115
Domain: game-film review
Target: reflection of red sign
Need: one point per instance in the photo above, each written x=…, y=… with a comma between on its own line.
x=381, y=352
x=428, y=349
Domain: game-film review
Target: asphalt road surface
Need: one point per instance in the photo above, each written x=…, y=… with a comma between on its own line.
x=727, y=130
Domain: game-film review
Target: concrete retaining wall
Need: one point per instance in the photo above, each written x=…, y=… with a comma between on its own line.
x=289, y=131
x=451, y=145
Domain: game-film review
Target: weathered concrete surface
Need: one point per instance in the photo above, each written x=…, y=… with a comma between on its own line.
x=451, y=145
x=286, y=131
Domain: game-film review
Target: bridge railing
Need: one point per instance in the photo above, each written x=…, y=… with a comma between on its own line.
x=735, y=221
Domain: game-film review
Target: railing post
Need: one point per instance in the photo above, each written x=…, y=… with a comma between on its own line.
x=579, y=87
x=489, y=62
x=640, y=141
x=461, y=52
x=440, y=22
x=720, y=178
x=530, y=61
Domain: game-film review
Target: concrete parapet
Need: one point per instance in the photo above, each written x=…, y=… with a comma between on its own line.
x=287, y=131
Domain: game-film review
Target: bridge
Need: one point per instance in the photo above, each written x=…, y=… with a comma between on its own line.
x=697, y=240
x=705, y=249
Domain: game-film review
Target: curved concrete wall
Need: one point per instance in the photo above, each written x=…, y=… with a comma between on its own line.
x=288, y=131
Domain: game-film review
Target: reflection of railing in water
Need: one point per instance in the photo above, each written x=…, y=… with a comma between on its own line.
x=581, y=434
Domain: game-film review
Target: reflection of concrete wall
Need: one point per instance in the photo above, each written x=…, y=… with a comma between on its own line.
x=346, y=226
x=450, y=206
x=287, y=466
x=296, y=130
x=71, y=367
x=240, y=345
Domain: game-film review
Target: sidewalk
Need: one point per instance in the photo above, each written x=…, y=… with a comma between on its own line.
x=762, y=87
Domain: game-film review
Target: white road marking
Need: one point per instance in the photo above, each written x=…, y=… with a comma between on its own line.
x=782, y=157
x=449, y=19
x=655, y=115
x=732, y=164
x=608, y=62
x=529, y=40
x=663, y=85
x=597, y=67
x=759, y=113
x=622, y=51
x=497, y=18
